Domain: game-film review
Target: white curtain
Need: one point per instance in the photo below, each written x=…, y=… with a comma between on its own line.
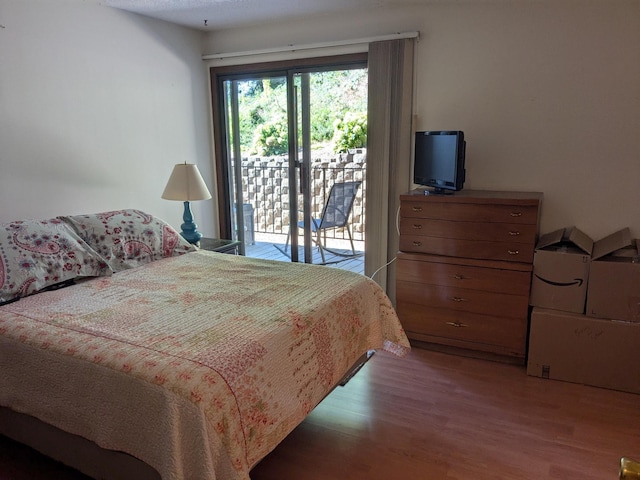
x=389, y=149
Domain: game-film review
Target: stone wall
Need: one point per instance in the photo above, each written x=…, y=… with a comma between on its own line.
x=265, y=185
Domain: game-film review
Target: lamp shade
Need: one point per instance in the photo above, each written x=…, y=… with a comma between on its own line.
x=186, y=184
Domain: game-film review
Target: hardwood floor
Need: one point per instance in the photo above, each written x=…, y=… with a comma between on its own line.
x=437, y=416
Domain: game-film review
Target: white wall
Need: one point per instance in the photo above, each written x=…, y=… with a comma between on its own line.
x=96, y=106
x=547, y=92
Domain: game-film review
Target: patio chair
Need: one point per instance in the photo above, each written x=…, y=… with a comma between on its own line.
x=335, y=214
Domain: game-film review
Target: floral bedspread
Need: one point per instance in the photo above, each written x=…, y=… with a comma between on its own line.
x=246, y=347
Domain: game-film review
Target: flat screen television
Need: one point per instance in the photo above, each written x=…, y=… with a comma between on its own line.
x=439, y=160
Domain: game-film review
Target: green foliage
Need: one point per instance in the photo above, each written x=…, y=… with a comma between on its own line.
x=272, y=139
x=262, y=106
x=322, y=125
x=350, y=132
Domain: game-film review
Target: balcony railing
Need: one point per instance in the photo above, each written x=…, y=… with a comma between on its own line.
x=265, y=185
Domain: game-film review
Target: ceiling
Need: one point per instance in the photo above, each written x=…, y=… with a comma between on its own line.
x=208, y=15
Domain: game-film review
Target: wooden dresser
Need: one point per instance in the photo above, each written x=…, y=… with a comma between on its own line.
x=464, y=270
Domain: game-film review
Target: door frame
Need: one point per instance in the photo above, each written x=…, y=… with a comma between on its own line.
x=217, y=103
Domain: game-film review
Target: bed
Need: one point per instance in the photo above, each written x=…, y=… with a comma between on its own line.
x=116, y=330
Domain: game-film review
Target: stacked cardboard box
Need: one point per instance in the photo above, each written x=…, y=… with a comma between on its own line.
x=614, y=284
x=561, y=270
x=585, y=324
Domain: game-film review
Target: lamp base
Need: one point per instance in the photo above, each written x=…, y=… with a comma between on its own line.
x=189, y=229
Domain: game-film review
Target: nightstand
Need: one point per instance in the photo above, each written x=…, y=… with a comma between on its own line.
x=220, y=245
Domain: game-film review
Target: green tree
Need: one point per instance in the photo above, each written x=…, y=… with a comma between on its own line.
x=263, y=104
x=272, y=139
x=350, y=132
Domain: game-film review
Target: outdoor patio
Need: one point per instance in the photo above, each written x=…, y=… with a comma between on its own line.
x=266, y=196
x=272, y=247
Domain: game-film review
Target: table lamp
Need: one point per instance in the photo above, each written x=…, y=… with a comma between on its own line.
x=186, y=184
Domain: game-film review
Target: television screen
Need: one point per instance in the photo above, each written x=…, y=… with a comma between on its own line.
x=439, y=160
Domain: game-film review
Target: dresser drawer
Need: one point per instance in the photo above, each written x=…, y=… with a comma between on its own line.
x=494, y=232
x=452, y=247
x=463, y=273
x=463, y=276
x=463, y=299
x=479, y=331
x=470, y=212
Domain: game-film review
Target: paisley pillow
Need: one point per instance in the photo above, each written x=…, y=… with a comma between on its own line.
x=129, y=238
x=37, y=254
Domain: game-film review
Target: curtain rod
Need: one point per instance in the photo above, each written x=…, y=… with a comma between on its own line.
x=311, y=46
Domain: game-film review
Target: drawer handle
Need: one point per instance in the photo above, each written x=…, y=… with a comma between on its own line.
x=416, y=243
x=417, y=226
x=514, y=234
x=513, y=252
x=456, y=324
x=458, y=299
x=457, y=276
x=417, y=209
x=516, y=214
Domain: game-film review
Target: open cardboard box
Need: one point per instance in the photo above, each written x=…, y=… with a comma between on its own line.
x=580, y=349
x=614, y=283
x=561, y=270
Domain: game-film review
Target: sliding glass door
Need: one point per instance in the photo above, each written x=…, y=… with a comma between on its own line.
x=270, y=124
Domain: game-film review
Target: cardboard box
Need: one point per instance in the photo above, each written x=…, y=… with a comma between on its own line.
x=580, y=349
x=614, y=285
x=561, y=270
